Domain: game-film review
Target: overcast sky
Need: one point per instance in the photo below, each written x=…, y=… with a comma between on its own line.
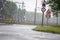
x=30, y=4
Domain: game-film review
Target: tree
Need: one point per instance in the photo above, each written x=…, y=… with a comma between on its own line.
x=21, y=14
x=55, y=6
x=1, y=6
x=1, y=3
x=9, y=9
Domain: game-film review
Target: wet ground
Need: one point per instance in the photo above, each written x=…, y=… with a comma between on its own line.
x=24, y=32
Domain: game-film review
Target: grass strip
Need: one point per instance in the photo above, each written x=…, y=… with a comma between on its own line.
x=50, y=29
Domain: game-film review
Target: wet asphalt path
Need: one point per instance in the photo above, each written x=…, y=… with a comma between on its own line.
x=24, y=32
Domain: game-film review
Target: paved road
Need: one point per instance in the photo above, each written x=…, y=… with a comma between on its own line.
x=24, y=32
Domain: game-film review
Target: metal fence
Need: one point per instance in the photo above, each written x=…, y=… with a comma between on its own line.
x=24, y=17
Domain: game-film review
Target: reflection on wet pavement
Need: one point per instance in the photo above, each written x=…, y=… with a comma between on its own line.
x=24, y=32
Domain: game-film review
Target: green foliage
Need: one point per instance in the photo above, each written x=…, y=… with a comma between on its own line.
x=9, y=9
x=55, y=6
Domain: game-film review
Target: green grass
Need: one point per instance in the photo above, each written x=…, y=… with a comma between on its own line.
x=50, y=29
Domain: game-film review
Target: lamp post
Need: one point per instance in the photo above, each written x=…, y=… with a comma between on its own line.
x=35, y=12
